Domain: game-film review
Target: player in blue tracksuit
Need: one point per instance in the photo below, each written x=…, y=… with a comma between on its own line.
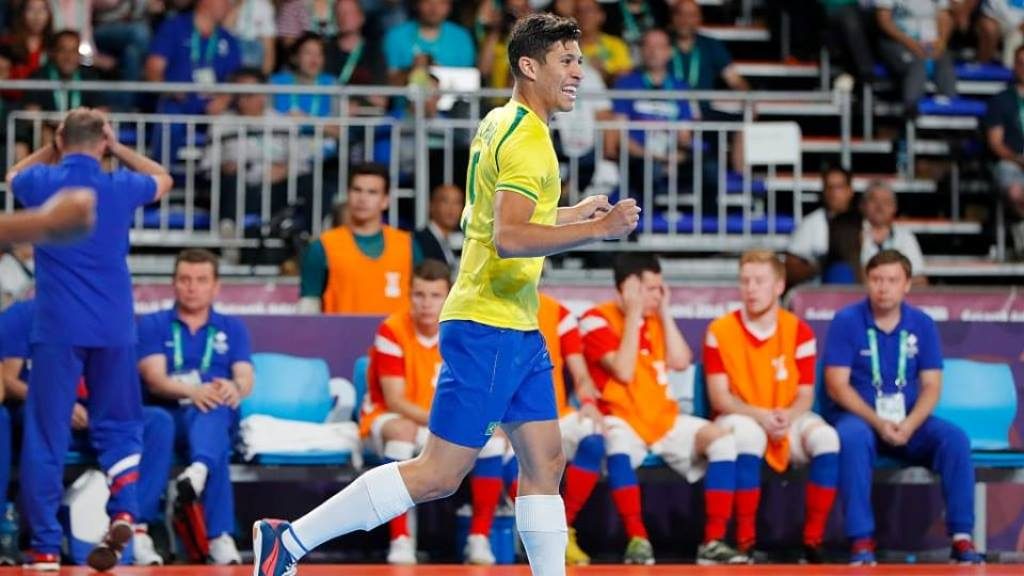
x=84, y=326
x=883, y=368
x=158, y=431
x=200, y=359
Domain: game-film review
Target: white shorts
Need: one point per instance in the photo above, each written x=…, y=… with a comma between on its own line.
x=574, y=428
x=676, y=447
x=377, y=440
x=798, y=455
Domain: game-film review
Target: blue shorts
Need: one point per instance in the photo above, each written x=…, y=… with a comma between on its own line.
x=489, y=376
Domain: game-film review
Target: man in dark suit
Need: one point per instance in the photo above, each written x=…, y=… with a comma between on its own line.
x=440, y=238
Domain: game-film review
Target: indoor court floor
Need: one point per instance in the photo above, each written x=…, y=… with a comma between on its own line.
x=602, y=570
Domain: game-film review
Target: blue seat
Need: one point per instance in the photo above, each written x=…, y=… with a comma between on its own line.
x=784, y=224
x=952, y=107
x=987, y=72
x=176, y=218
x=292, y=388
x=734, y=184
x=359, y=370
x=980, y=398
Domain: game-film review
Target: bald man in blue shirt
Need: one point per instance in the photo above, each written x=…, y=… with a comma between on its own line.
x=84, y=326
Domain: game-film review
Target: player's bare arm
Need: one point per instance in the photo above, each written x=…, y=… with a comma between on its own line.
x=516, y=237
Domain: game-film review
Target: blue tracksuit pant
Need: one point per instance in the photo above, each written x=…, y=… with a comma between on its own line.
x=937, y=444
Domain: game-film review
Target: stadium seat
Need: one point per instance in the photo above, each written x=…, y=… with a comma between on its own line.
x=932, y=106
x=359, y=382
x=289, y=387
x=176, y=218
x=784, y=224
x=987, y=72
x=981, y=398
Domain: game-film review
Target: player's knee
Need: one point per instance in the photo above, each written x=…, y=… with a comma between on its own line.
x=750, y=437
x=955, y=441
x=441, y=483
x=821, y=439
x=401, y=429
x=591, y=448
x=399, y=450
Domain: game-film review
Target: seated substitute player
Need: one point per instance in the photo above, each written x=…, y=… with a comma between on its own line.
x=404, y=364
x=201, y=359
x=630, y=344
x=883, y=369
x=760, y=367
x=495, y=371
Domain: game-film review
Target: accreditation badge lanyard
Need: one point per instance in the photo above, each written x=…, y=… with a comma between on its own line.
x=202, y=60
x=350, y=63
x=693, y=73
x=314, y=104
x=70, y=99
x=192, y=377
x=891, y=407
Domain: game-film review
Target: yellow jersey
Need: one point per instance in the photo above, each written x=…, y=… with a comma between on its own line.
x=512, y=152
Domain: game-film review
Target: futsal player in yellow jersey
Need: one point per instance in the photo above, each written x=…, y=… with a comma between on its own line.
x=495, y=367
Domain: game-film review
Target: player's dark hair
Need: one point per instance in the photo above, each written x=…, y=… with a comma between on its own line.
x=437, y=189
x=249, y=73
x=890, y=256
x=371, y=169
x=431, y=270
x=83, y=127
x=533, y=35
x=301, y=41
x=198, y=256
x=847, y=175
x=628, y=264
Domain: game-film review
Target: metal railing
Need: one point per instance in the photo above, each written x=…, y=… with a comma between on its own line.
x=284, y=159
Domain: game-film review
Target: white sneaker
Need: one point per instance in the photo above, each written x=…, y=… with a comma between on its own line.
x=223, y=550
x=402, y=551
x=145, y=552
x=478, y=551
x=196, y=475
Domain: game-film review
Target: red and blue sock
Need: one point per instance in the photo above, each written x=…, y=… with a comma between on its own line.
x=485, y=488
x=626, y=494
x=821, y=494
x=748, y=497
x=582, y=475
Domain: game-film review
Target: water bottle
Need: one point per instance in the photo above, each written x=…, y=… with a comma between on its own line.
x=902, y=160
x=9, y=535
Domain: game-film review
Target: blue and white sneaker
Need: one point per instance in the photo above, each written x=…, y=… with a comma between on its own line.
x=963, y=552
x=270, y=557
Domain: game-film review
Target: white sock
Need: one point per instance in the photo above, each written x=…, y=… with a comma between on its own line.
x=541, y=524
x=961, y=536
x=369, y=501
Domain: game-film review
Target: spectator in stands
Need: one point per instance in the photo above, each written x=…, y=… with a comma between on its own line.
x=430, y=34
x=826, y=244
x=17, y=275
x=848, y=34
x=194, y=47
x=352, y=60
x=307, y=69
x=701, y=61
x=121, y=30
x=914, y=38
x=704, y=63
x=254, y=24
x=157, y=434
x=630, y=345
x=493, y=22
x=759, y=363
x=1000, y=20
x=194, y=354
x=77, y=15
x=880, y=232
x=243, y=153
x=630, y=19
x=652, y=74
x=63, y=63
x=607, y=54
x=363, y=267
x=441, y=238
x=883, y=370
x=28, y=37
x=298, y=17
x=1005, y=136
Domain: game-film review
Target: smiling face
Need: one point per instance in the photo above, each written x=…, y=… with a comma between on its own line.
x=558, y=76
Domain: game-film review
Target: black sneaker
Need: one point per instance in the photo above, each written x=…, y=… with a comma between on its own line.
x=813, y=554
